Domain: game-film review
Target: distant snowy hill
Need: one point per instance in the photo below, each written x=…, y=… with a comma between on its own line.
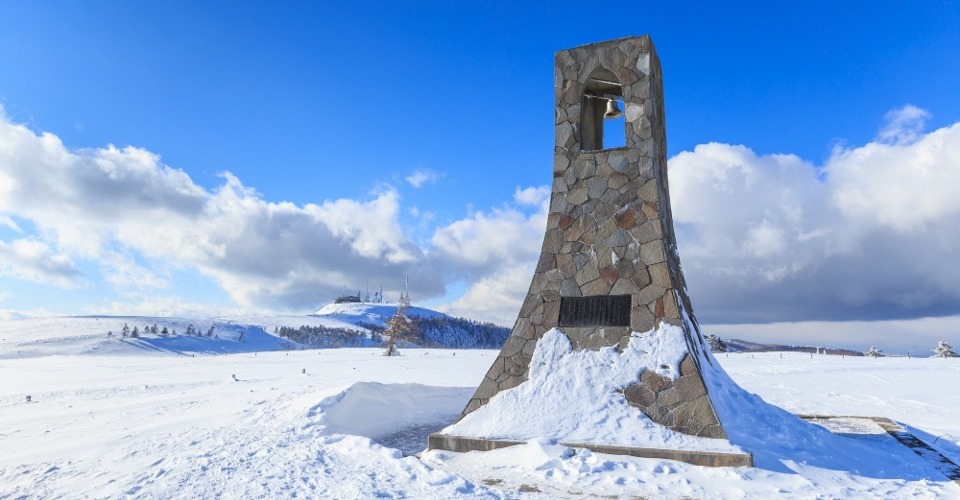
x=359, y=313
x=738, y=345
x=435, y=329
x=335, y=325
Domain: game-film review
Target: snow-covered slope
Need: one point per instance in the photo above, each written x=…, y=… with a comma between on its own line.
x=34, y=337
x=179, y=426
x=371, y=313
x=103, y=335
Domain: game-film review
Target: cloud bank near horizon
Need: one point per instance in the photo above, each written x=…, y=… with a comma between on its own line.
x=870, y=234
x=867, y=235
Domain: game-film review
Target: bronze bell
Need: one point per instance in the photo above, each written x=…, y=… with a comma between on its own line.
x=613, y=111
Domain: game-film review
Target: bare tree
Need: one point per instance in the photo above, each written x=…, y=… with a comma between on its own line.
x=399, y=328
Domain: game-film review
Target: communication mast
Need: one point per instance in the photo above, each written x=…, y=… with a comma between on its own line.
x=405, y=292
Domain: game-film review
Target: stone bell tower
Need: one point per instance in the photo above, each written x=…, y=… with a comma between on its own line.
x=609, y=263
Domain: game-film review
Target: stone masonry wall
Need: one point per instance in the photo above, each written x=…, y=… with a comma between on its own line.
x=609, y=232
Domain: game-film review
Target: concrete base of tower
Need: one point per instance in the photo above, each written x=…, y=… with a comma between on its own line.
x=461, y=444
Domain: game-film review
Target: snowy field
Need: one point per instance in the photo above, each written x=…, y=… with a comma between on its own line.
x=221, y=418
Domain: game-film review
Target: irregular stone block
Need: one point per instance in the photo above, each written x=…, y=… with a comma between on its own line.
x=596, y=186
x=652, y=252
x=641, y=319
x=654, y=381
x=552, y=240
x=647, y=232
x=626, y=219
x=642, y=279
x=620, y=237
x=617, y=181
x=687, y=366
x=487, y=389
x=649, y=293
x=619, y=163
x=670, y=305
x=577, y=196
x=650, y=210
x=511, y=347
x=547, y=262
x=690, y=387
x=668, y=397
x=511, y=382
x=649, y=192
x=639, y=395
x=587, y=274
x=660, y=275
x=595, y=287
x=610, y=275
x=570, y=288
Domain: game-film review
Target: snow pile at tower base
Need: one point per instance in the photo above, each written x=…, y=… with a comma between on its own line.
x=576, y=396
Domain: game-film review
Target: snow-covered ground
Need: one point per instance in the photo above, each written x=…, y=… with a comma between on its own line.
x=260, y=422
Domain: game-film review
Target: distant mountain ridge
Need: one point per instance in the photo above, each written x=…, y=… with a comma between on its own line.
x=737, y=345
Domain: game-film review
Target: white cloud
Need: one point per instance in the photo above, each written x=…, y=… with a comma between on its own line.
x=534, y=195
x=903, y=186
x=495, y=252
x=422, y=176
x=34, y=260
x=116, y=206
x=871, y=233
x=903, y=125
x=490, y=239
x=495, y=297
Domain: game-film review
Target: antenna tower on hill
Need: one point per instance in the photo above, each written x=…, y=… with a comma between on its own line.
x=405, y=292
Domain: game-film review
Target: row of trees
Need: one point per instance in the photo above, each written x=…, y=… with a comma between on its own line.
x=126, y=331
x=323, y=336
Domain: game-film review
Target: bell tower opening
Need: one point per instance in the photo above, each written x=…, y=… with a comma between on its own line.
x=601, y=117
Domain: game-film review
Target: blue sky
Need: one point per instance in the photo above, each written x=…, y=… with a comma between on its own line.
x=434, y=119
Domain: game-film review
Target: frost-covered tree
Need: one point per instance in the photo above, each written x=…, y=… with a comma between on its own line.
x=191, y=330
x=399, y=328
x=126, y=330
x=874, y=352
x=210, y=331
x=716, y=343
x=135, y=333
x=164, y=332
x=944, y=350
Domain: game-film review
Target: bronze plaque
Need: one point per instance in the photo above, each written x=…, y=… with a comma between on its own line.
x=601, y=310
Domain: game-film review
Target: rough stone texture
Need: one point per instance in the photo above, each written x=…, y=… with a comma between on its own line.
x=610, y=231
x=684, y=401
